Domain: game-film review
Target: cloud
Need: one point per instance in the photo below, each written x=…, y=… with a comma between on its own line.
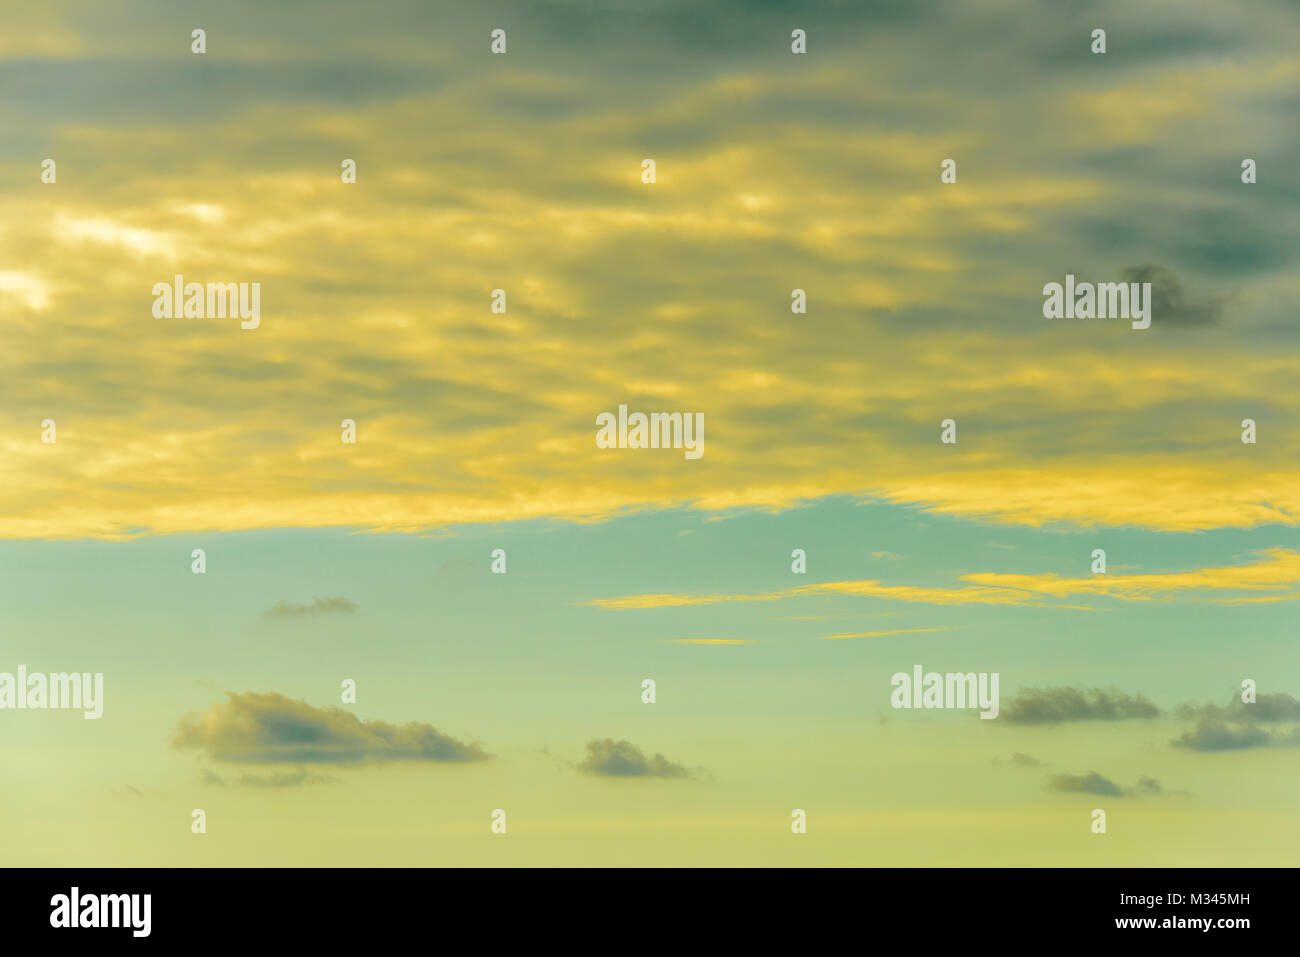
x=1214, y=736
x=277, y=779
x=1094, y=783
x=711, y=641
x=1169, y=303
x=820, y=165
x=269, y=728
x=28, y=288
x=875, y=589
x=1090, y=783
x=1057, y=705
x=1236, y=725
x=623, y=759
x=1274, y=571
x=1266, y=709
x=1019, y=759
x=284, y=610
x=882, y=634
x=1147, y=785
x=286, y=779
x=1272, y=707
x=1273, y=574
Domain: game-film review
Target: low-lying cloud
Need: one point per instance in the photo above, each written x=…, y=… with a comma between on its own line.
x=623, y=759
x=1219, y=736
x=1059, y=705
x=1090, y=783
x=269, y=728
x=1094, y=783
x=276, y=779
x=1237, y=725
x=1267, y=709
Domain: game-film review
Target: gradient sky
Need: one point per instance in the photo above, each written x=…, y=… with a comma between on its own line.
x=775, y=172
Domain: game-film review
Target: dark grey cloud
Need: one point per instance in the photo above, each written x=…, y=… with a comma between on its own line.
x=1216, y=736
x=1288, y=739
x=1094, y=783
x=1170, y=303
x=1266, y=709
x=271, y=729
x=623, y=759
x=1272, y=707
x=285, y=610
x=1236, y=725
x=1057, y=705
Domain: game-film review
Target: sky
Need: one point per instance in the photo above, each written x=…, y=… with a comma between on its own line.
x=373, y=562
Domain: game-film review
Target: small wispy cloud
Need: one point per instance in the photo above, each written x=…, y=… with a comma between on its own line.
x=1273, y=575
x=276, y=779
x=882, y=634
x=286, y=779
x=283, y=610
x=711, y=641
x=1020, y=759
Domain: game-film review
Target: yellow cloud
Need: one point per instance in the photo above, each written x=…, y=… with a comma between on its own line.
x=865, y=589
x=711, y=641
x=30, y=290
x=882, y=634
x=375, y=303
x=1276, y=570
